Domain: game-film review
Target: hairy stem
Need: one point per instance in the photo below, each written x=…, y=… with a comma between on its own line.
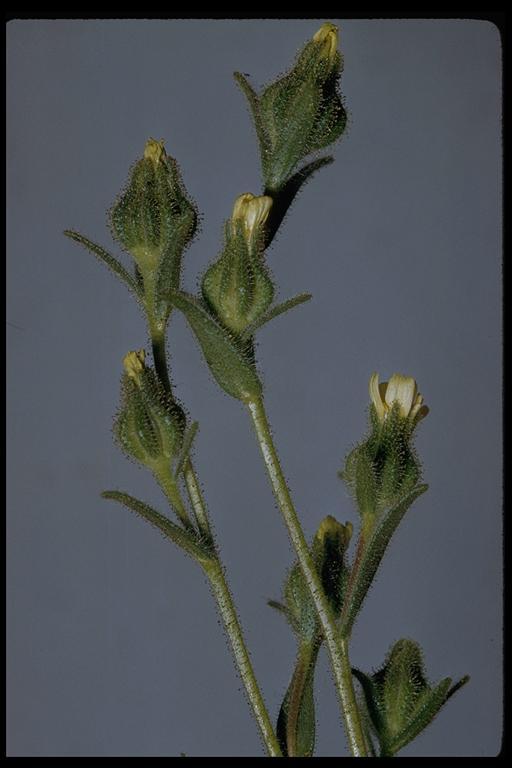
x=337, y=646
x=217, y=578
x=227, y=610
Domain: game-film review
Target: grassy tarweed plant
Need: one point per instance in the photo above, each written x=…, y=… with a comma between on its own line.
x=154, y=221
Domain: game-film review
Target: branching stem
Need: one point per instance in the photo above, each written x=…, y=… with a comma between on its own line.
x=336, y=645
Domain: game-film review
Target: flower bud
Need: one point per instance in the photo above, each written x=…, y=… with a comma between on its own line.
x=250, y=213
x=330, y=545
x=134, y=365
x=150, y=424
x=384, y=468
x=400, y=700
x=302, y=111
x=329, y=549
x=237, y=287
x=154, y=220
x=327, y=39
x=401, y=390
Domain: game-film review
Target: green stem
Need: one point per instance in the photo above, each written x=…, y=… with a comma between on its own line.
x=215, y=573
x=196, y=500
x=336, y=645
x=168, y=485
x=227, y=610
x=160, y=357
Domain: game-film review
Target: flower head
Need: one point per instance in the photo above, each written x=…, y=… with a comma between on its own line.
x=399, y=389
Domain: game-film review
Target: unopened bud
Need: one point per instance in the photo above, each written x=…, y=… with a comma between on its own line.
x=327, y=37
x=251, y=212
x=134, y=365
x=154, y=220
x=150, y=424
x=237, y=287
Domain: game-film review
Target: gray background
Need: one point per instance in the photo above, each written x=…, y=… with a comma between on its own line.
x=114, y=646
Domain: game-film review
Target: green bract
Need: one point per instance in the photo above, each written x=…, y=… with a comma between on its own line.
x=400, y=701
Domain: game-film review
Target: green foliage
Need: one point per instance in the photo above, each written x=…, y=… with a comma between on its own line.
x=110, y=261
x=299, y=113
x=296, y=721
x=229, y=362
x=400, y=701
x=188, y=541
x=275, y=311
x=372, y=553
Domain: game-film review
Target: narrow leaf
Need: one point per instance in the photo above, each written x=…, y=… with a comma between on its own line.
x=111, y=262
x=373, y=554
x=252, y=98
x=432, y=702
x=231, y=368
x=172, y=531
x=457, y=686
x=279, y=309
x=186, y=446
x=372, y=699
x=296, y=721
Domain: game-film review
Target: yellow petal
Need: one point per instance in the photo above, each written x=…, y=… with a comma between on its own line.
x=375, y=395
x=327, y=35
x=154, y=150
x=134, y=364
x=401, y=389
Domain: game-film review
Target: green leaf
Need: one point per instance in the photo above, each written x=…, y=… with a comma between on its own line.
x=460, y=684
x=283, y=198
x=253, y=100
x=231, y=368
x=372, y=556
x=183, y=539
x=296, y=722
x=112, y=263
x=431, y=703
x=186, y=446
x=372, y=699
x=279, y=309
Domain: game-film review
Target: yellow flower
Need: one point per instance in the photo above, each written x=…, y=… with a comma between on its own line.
x=399, y=389
x=154, y=150
x=327, y=35
x=252, y=211
x=134, y=364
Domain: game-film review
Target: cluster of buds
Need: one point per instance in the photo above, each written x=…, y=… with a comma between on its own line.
x=237, y=287
x=384, y=468
x=154, y=221
x=150, y=424
x=302, y=111
x=399, y=699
